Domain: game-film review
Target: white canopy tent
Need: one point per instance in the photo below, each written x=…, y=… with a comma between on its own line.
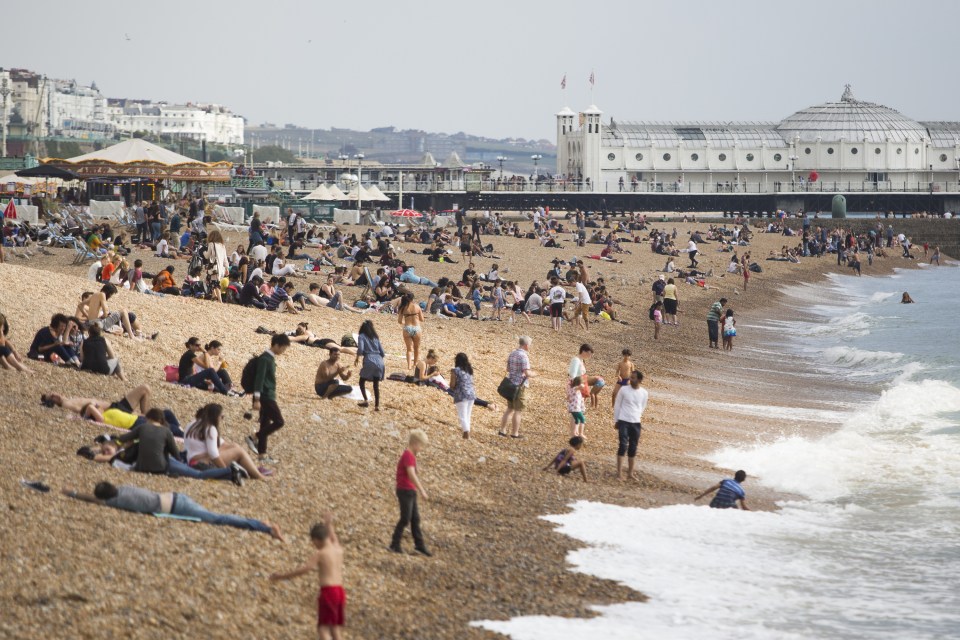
x=336, y=193
x=320, y=193
x=376, y=195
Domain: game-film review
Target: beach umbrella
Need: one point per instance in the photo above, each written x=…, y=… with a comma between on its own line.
x=406, y=213
x=10, y=211
x=47, y=171
x=813, y=176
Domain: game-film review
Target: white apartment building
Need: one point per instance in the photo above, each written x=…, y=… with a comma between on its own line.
x=210, y=122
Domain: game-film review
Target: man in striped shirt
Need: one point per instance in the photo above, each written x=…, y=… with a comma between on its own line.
x=729, y=493
x=713, y=322
x=280, y=299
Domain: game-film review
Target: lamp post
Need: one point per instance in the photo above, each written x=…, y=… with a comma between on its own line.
x=501, y=160
x=4, y=92
x=793, y=169
x=957, y=160
x=536, y=167
x=359, y=158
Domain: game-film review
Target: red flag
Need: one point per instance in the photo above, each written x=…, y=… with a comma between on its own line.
x=563, y=83
x=11, y=210
x=593, y=79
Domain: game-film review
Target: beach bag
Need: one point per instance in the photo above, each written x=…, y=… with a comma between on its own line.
x=653, y=308
x=508, y=390
x=756, y=268
x=249, y=374
x=171, y=373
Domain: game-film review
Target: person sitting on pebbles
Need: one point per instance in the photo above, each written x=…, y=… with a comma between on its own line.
x=564, y=462
x=130, y=498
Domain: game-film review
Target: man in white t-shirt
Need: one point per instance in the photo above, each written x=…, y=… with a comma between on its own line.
x=556, y=295
x=581, y=313
x=692, y=252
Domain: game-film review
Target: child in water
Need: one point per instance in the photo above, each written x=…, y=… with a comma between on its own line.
x=564, y=463
x=729, y=330
x=327, y=561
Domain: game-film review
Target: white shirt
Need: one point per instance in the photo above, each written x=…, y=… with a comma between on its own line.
x=691, y=246
x=630, y=404
x=557, y=294
x=576, y=368
x=162, y=249
x=582, y=294
x=209, y=446
x=259, y=252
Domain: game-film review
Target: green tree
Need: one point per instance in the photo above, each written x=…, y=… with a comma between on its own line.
x=274, y=154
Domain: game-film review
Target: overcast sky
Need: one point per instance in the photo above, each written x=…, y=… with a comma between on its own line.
x=494, y=68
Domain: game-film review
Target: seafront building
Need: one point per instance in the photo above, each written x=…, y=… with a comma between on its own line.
x=34, y=107
x=849, y=144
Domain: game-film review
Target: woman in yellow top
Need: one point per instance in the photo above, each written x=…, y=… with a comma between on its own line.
x=670, y=304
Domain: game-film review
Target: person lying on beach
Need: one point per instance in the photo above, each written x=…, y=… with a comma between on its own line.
x=329, y=374
x=564, y=461
x=327, y=561
x=130, y=498
x=93, y=309
x=729, y=493
x=120, y=414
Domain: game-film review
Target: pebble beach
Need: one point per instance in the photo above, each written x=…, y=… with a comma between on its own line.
x=75, y=570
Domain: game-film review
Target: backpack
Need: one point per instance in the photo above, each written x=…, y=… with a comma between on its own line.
x=756, y=268
x=652, y=308
x=249, y=374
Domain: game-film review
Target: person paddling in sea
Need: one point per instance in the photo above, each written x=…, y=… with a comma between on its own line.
x=729, y=493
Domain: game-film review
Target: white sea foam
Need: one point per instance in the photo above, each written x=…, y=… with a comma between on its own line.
x=884, y=443
x=726, y=574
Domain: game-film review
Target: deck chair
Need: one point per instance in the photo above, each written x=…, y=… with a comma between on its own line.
x=83, y=254
x=368, y=288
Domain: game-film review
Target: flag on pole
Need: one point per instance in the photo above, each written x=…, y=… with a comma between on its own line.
x=593, y=79
x=563, y=82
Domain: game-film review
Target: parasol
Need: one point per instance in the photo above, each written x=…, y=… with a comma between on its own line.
x=406, y=213
x=10, y=211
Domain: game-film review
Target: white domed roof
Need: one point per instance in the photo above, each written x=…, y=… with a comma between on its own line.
x=853, y=121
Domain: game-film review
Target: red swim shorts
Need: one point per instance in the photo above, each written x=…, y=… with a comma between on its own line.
x=331, y=604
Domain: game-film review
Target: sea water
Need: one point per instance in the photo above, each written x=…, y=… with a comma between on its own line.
x=868, y=546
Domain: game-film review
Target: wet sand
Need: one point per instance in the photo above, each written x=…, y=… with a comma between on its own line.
x=77, y=570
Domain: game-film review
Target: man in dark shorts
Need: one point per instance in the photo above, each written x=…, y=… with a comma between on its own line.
x=729, y=493
x=329, y=374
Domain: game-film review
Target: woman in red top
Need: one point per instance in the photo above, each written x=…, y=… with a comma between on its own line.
x=408, y=485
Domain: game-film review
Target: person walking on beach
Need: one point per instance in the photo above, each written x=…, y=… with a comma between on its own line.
x=692, y=253
x=713, y=322
x=627, y=414
x=265, y=396
x=519, y=372
x=463, y=391
x=729, y=493
x=729, y=330
x=408, y=486
x=327, y=561
x=578, y=368
x=557, y=295
x=671, y=303
x=372, y=370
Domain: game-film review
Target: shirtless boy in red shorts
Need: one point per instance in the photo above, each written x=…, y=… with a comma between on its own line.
x=328, y=562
